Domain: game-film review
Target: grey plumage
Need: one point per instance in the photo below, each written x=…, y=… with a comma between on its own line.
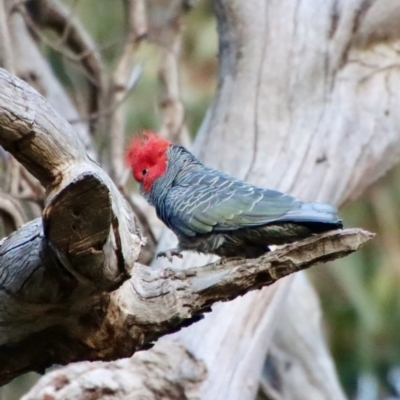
x=212, y=212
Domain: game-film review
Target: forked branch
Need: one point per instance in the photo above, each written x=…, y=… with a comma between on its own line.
x=70, y=289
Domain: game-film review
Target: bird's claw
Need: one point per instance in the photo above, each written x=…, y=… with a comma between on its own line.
x=169, y=254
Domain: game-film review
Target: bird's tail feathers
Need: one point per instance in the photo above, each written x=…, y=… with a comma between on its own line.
x=315, y=213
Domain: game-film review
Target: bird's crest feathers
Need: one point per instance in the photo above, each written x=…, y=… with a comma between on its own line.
x=146, y=157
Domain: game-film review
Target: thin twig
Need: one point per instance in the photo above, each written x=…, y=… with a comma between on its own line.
x=137, y=18
x=7, y=62
x=169, y=39
x=6, y=56
x=107, y=111
x=121, y=83
x=10, y=206
x=74, y=39
x=34, y=185
x=68, y=24
x=13, y=176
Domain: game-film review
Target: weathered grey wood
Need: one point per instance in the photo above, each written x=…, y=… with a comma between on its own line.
x=167, y=372
x=85, y=245
x=307, y=103
x=312, y=113
x=297, y=365
x=30, y=65
x=34, y=133
x=65, y=292
x=47, y=317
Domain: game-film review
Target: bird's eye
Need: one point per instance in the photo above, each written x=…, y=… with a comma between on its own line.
x=144, y=171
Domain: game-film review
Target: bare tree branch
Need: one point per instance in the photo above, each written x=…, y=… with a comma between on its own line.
x=167, y=371
x=34, y=185
x=166, y=32
x=64, y=279
x=54, y=15
x=7, y=61
x=277, y=99
x=33, y=68
x=6, y=56
x=9, y=205
x=297, y=357
x=122, y=83
x=84, y=325
x=294, y=112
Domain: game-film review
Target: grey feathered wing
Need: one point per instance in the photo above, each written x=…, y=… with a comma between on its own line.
x=215, y=202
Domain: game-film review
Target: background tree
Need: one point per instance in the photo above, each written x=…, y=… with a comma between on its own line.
x=306, y=103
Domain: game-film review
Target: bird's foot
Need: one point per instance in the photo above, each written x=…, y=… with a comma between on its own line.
x=170, y=253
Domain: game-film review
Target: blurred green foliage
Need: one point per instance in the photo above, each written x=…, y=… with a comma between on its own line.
x=359, y=294
x=108, y=28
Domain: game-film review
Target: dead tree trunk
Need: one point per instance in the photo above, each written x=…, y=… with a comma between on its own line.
x=65, y=288
x=306, y=106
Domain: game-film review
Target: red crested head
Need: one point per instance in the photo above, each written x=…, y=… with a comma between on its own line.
x=147, y=158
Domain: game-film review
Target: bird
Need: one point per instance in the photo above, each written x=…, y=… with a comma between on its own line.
x=214, y=213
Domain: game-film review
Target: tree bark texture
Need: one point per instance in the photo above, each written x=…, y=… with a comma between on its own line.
x=306, y=103
x=148, y=375
x=65, y=288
